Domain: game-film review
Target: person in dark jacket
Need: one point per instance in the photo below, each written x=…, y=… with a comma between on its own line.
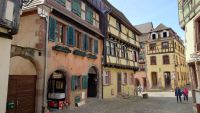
x=178, y=94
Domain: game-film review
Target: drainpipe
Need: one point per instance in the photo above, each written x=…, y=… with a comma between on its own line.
x=43, y=11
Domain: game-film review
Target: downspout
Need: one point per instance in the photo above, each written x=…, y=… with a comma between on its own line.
x=104, y=30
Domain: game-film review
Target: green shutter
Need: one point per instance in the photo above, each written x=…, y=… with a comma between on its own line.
x=85, y=43
x=85, y=82
x=76, y=7
x=89, y=15
x=52, y=29
x=70, y=36
x=96, y=46
x=61, y=1
x=73, y=82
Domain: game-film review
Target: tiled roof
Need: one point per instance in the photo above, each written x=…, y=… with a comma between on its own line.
x=161, y=27
x=145, y=28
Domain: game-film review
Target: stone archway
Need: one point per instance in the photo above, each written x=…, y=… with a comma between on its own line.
x=22, y=85
x=93, y=80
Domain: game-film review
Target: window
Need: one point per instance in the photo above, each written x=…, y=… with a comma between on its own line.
x=153, y=36
x=166, y=59
x=124, y=81
x=123, y=52
x=152, y=46
x=198, y=35
x=85, y=43
x=118, y=26
x=107, y=78
x=165, y=45
x=60, y=32
x=112, y=48
x=164, y=34
x=153, y=60
x=78, y=83
x=135, y=56
x=134, y=36
x=142, y=45
x=76, y=7
x=141, y=55
x=89, y=15
x=78, y=39
x=108, y=47
x=90, y=45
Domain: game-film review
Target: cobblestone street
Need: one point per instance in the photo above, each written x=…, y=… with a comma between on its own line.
x=156, y=103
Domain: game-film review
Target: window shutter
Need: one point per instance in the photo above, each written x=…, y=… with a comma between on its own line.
x=96, y=46
x=85, y=43
x=70, y=36
x=61, y=1
x=89, y=15
x=73, y=83
x=52, y=29
x=76, y=8
x=85, y=82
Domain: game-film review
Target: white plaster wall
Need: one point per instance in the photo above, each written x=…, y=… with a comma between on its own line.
x=5, y=45
x=189, y=39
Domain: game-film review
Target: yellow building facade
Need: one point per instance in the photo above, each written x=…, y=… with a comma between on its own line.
x=120, y=55
x=165, y=57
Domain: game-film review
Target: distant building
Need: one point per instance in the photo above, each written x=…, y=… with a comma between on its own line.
x=141, y=76
x=121, y=48
x=189, y=20
x=165, y=59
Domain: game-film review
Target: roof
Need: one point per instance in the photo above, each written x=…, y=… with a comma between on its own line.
x=145, y=28
x=118, y=14
x=161, y=27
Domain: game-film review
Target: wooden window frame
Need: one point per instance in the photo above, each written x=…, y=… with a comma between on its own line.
x=118, y=26
x=166, y=59
x=152, y=46
x=79, y=40
x=90, y=44
x=60, y=34
x=165, y=46
x=153, y=60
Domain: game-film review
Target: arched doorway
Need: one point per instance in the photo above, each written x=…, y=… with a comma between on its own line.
x=167, y=78
x=137, y=82
x=21, y=86
x=154, y=79
x=92, y=82
x=56, y=89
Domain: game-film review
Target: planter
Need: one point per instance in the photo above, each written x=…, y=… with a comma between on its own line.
x=79, y=53
x=92, y=56
x=61, y=49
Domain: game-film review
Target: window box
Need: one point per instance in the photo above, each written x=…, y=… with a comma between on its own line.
x=61, y=49
x=79, y=53
x=92, y=56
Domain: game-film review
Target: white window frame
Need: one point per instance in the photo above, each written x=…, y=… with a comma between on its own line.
x=161, y=34
x=153, y=34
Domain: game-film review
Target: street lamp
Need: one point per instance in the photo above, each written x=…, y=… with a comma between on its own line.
x=10, y=13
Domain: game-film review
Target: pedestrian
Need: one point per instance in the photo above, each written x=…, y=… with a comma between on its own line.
x=185, y=94
x=178, y=94
x=140, y=89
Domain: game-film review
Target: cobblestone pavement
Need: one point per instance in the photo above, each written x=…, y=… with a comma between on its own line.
x=156, y=103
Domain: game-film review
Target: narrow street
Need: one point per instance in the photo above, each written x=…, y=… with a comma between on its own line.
x=158, y=102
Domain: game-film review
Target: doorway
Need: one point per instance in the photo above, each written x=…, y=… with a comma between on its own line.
x=137, y=82
x=92, y=83
x=167, y=78
x=154, y=79
x=21, y=93
x=119, y=80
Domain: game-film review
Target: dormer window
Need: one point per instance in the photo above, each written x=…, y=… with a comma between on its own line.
x=153, y=36
x=164, y=34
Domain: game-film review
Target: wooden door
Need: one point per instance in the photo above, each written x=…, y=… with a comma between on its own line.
x=119, y=80
x=167, y=79
x=21, y=91
x=154, y=79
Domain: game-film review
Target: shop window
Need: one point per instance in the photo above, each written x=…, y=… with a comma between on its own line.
x=166, y=59
x=76, y=7
x=165, y=45
x=153, y=60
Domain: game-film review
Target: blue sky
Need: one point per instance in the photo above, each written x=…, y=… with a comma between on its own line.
x=156, y=11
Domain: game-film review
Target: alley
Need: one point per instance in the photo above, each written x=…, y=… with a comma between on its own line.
x=158, y=102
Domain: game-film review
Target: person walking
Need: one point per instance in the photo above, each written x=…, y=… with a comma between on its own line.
x=178, y=94
x=185, y=94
